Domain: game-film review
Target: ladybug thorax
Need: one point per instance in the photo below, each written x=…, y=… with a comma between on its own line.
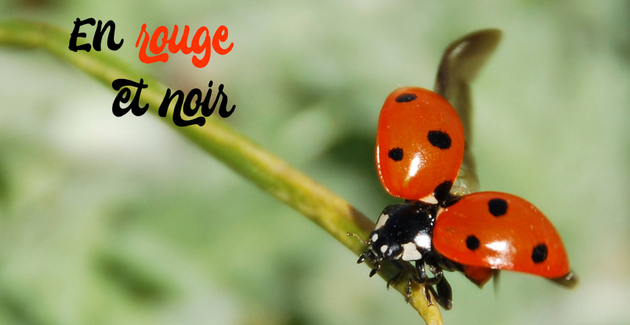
x=403, y=231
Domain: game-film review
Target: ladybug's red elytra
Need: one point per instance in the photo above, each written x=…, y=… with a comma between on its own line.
x=500, y=231
x=419, y=145
x=421, y=149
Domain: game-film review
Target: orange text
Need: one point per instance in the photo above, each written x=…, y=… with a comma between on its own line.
x=201, y=44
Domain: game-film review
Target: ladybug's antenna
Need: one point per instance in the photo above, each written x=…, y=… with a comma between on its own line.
x=359, y=238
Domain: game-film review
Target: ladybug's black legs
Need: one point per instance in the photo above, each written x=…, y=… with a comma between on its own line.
x=437, y=274
x=422, y=273
x=372, y=257
x=423, y=279
x=442, y=292
x=443, y=296
x=377, y=267
x=396, y=277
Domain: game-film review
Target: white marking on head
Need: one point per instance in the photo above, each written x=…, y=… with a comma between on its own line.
x=410, y=252
x=382, y=220
x=374, y=237
x=384, y=249
x=423, y=240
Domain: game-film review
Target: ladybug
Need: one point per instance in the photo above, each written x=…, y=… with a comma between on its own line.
x=421, y=151
x=476, y=234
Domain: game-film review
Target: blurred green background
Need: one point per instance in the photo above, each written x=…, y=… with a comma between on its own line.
x=107, y=220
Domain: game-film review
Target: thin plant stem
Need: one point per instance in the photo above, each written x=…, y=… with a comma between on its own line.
x=267, y=171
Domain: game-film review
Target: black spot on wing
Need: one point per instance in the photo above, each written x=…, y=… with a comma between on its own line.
x=472, y=242
x=439, y=139
x=407, y=97
x=539, y=254
x=396, y=154
x=497, y=207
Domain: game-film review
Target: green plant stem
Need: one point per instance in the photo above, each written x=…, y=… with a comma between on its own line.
x=262, y=168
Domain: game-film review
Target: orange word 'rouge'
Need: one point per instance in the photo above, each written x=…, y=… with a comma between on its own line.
x=202, y=44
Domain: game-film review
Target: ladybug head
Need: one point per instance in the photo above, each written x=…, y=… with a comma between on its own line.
x=380, y=247
x=383, y=246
